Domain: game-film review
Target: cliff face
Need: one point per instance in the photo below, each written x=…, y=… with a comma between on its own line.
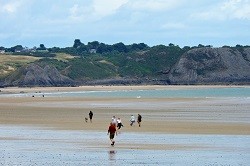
x=212, y=66
x=34, y=75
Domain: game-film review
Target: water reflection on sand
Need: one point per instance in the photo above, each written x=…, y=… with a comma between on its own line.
x=37, y=146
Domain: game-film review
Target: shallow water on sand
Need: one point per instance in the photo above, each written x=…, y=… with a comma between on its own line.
x=22, y=145
x=187, y=92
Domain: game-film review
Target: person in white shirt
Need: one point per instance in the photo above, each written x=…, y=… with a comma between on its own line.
x=114, y=121
x=119, y=123
x=132, y=120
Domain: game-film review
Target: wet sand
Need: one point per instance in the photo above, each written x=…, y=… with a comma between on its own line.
x=166, y=122
x=22, y=145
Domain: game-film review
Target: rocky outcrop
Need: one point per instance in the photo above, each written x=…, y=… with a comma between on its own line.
x=212, y=66
x=34, y=75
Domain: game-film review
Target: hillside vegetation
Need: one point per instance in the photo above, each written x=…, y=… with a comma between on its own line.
x=10, y=63
x=99, y=63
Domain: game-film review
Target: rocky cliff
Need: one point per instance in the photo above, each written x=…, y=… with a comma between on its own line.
x=34, y=75
x=212, y=66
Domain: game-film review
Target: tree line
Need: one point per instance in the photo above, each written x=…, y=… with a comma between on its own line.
x=94, y=47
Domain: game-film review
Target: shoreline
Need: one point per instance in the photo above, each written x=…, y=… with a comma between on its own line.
x=16, y=90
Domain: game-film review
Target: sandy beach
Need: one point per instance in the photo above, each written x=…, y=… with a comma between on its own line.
x=168, y=116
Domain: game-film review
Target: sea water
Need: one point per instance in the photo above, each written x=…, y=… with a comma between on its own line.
x=162, y=93
x=204, y=92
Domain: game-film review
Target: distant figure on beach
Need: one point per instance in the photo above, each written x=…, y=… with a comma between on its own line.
x=139, y=120
x=112, y=132
x=132, y=120
x=114, y=121
x=90, y=116
x=119, y=123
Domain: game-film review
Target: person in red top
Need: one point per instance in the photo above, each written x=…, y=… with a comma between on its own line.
x=112, y=132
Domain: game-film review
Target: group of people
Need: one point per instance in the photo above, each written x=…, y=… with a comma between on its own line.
x=116, y=124
x=132, y=120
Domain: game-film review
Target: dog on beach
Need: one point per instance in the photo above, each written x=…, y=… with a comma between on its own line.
x=86, y=119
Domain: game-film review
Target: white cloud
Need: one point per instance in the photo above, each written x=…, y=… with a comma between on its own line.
x=154, y=5
x=10, y=7
x=78, y=13
x=232, y=5
x=148, y=21
x=103, y=8
x=99, y=9
x=74, y=10
x=229, y=9
x=239, y=9
x=243, y=13
x=95, y=10
x=174, y=26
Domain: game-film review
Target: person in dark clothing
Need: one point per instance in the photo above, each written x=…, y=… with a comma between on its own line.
x=90, y=116
x=139, y=120
x=112, y=132
x=119, y=123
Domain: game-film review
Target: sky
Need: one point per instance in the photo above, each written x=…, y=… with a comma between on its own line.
x=57, y=23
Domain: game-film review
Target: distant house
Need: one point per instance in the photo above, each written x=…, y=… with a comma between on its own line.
x=29, y=50
x=26, y=49
x=2, y=51
x=44, y=51
x=92, y=51
x=18, y=50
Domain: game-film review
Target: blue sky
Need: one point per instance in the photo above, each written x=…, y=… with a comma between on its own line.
x=153, y=22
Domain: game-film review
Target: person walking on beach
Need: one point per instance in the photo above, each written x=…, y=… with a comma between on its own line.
x=132, y=120
x=139, y=120
x=114, y=121
x=90, y=116
x=112, y=132
x=119, y=123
